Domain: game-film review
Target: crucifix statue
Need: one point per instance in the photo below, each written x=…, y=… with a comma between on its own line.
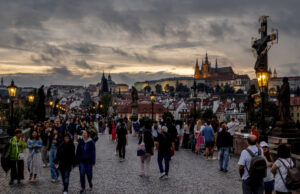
x=261, y=46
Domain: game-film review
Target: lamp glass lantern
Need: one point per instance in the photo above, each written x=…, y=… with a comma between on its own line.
x=51, y=103
x=12, y=90
x=262, y=78
x=101, y=106
x=152, y=97
x=31, y=98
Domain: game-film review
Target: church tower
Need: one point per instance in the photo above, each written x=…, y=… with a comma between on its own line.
x=205, y=69
x=270, y=73
x=274, y=73
x=197, y=71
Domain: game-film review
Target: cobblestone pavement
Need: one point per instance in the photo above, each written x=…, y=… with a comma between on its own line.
x=189, y=173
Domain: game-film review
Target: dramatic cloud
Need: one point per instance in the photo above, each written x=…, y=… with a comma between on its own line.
x=74, y=41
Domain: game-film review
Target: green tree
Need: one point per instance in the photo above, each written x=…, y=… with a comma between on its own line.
x=167, y=115
x=17, y=117
x=167, y=88
x=41, y=110
x=106, y=100
x=208, y=114
x=198, y=113
x=240, y=91
x=218, y=88
x=158, y=88
x=147, y=89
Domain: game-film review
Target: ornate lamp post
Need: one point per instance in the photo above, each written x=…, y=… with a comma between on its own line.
x=51, y=103
x=30, y=98
x=194, y=88
x=261, y=66
x=12, y=91
x=152, y=97
x=115, y=108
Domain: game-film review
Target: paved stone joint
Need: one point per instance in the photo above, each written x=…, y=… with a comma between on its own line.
x=189, y=173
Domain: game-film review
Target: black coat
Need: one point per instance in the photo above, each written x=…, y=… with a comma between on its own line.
x=65, y=156
x=148, y=140
x=224, y=139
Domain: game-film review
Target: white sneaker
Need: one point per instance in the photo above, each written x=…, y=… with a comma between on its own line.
x=213, y=158
x=165, y=177
x=54, y=180
x=65, y=192
x=162, y=175
x=44, y=165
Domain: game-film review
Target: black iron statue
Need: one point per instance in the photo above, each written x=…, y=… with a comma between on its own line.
x=134, y=105
x=250, y=105
x=284, y=101
x=134, y=95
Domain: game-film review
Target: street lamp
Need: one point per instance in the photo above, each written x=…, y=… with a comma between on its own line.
x=262, y=80
x=152, y=98
x=12, y=91
x=115, y=108
x=31, y=98
x=194, y=88
x=51, y=103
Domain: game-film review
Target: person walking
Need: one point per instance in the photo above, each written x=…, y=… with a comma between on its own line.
x=65, y=160
x=269, y=179
x=16, y=156
x=147, y=140
x=186, y=135
x=198, y=137
x=55, y=141
x=86, y=157
x=208, y=134
x=280, y=169
x=122, y=139
x=250, y=185
x=164, y=146
x=34, y=144
x=45, y=136
x=224, y=143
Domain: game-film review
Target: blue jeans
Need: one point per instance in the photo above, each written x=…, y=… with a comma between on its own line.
x=85, y=169
x=65, y=175
x=160, y=158
x=224, y=156
x=54, y=171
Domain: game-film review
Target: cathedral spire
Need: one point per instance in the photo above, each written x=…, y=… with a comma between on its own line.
x=206, y=58
x=216, y=63
x=197, y=70
x=274, y=73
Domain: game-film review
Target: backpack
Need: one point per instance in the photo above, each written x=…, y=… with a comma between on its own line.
x=5, y=162
x=292, y=180
x=258, y=165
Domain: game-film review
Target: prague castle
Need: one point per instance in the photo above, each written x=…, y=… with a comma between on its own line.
x=208, y=75
x=208, y=72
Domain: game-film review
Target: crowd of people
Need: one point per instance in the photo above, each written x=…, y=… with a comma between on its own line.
x=63, y=144
x=60, y=144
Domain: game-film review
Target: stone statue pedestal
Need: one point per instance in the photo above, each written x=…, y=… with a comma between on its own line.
x=134, y=111
x=286, y=132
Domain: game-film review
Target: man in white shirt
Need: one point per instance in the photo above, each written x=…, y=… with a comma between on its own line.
x=232, y=126
x=250, y=186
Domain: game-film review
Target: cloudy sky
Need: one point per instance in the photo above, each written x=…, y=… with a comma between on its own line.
x=73, y=41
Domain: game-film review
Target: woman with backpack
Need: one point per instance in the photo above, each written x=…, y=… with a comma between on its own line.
x=16, y=156
x=147, y=139
x=86, y=157
x=65, y=160
x=34, y=161
x=269, y=179
x=280, y=169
